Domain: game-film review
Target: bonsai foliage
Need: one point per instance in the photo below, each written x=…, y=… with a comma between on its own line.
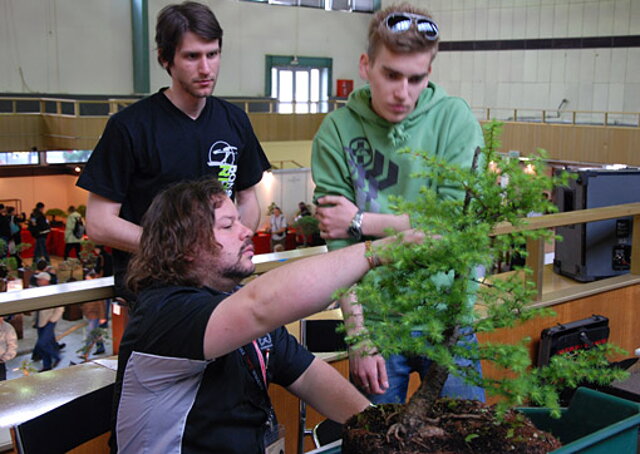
x=53, y=212
x=307, y=225
x=435, y=288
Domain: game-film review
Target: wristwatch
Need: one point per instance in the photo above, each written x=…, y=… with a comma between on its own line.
x=355, y=228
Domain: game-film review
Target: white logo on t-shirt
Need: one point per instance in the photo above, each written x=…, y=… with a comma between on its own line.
x=224, y=156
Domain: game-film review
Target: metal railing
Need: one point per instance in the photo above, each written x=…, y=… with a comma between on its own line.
x=106, y=107
x=83, y=291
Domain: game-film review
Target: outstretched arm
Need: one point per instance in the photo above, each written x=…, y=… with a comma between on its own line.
x=105, y=226
x=328, y=392
x=285, y=294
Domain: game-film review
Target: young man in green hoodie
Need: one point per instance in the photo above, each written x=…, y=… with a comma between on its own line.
x=356, y=167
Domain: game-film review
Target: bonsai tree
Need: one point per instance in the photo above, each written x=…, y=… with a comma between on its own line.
x=53, y=212
x=307, y=226
x=87, y=255
x=401, y=298
x=8, y=263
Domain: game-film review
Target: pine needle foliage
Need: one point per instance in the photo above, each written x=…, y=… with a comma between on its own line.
x=432, y=288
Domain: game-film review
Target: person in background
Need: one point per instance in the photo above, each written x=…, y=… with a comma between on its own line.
x=71, y=241
x=358, y=170
x=46, y=320
x=93, y=312
x=180, y=133
x=15, y=226
x=8, y=346
x=5, y=228
x=39, y=228
x=303, y=210
x=43, y=266
x=104, y=268
x=278, y=229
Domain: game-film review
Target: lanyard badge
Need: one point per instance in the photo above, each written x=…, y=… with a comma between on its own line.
x=274, y=432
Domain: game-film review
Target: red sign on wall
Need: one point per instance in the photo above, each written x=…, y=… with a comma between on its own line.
x=344, y=87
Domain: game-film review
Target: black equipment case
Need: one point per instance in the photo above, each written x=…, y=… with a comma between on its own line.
x=572, y=336
x=600, y=249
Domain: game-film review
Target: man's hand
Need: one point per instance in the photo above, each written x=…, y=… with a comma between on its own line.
x=335, y=219
x=369, y=372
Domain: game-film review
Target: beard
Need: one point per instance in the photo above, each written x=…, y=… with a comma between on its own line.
x=238, y=272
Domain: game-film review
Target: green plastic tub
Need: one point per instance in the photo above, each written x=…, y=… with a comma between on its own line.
x=594, y=423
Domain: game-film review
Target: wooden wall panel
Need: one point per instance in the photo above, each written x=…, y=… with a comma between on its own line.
x=621, y=306
x=73, y=133
x=20, y=132
x=286, y=406
x=597, y=144
x=270, y=127
x=580, y=143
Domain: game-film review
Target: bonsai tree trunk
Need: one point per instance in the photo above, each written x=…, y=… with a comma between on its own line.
x=414, y=413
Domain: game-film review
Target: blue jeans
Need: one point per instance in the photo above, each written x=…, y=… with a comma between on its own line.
x=399, y=367
x=47, y=345
x=41, y=249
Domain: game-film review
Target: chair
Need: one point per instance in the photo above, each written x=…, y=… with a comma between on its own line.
x=317, y=336
x=67, y=426
x=326, y=432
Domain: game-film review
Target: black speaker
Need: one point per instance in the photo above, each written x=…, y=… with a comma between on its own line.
x=600, y=249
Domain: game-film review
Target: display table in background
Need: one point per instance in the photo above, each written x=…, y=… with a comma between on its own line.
x=262, y=242
x=55, y=243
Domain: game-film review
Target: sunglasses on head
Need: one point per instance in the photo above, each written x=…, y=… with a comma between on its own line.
x=401, y=22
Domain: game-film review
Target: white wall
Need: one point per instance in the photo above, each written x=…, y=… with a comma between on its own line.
x=84, y=47
x=55, y=191
x=286, y=188
x=65, y=46
x=591, y=79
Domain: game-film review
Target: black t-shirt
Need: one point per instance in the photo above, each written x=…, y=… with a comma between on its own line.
x=170, y=399
x=152, y=144
x=104, y=264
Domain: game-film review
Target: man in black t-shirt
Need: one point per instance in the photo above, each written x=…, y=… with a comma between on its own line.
x=179, y=133
x=199, y=351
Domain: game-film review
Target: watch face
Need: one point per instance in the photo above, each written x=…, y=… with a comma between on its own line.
x=354, y=232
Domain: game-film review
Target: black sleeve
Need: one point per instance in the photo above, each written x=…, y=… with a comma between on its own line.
x=112, y=163
x=252, y=162
x=175, y=326
x=290, y=358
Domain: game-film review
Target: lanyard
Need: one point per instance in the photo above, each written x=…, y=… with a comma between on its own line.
x=272, y=422
x=263, y=365
x=260, y=381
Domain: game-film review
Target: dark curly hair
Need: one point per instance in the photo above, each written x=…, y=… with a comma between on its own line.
x=178, y=223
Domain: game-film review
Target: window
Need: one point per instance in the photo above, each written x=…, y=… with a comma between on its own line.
x=300, y=84
x=19, y=158
x=366, y=6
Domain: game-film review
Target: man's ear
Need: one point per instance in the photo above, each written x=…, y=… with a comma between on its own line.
x=363, y=67
x=163, y=62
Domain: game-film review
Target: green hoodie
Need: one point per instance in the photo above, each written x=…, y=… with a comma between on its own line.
x=354, y=152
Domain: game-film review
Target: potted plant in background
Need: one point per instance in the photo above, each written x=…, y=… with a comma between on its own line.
x=307, y=227
x=53, y=213
x=399, y=299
